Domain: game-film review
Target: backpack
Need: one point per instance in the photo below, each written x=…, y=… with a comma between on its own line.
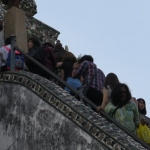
x=19, y=59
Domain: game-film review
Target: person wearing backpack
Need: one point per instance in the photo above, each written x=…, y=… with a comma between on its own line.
x=6, y=57
x=19, y=60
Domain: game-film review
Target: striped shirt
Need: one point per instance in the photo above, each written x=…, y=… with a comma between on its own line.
x=87, y=70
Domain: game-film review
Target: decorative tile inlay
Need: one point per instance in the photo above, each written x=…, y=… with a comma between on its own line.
x=92, y=123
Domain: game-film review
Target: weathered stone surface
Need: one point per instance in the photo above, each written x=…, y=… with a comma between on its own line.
x=14, y=21
x=44, y=32
x=2, y=10
x=27, y=101
x=29, y=6
x=28, y=123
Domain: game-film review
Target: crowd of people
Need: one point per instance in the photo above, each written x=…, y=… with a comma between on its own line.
x=107, y=93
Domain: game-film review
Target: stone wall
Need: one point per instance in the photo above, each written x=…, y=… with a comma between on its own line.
x=28, y=123
x=37, y=114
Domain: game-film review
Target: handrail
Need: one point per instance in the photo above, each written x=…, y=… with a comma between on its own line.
x=84, y=98
x=76, y=92
x=103, y=113
x=55, y=76
x=13, y=43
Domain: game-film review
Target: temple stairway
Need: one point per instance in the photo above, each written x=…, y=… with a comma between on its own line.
x=36, y=114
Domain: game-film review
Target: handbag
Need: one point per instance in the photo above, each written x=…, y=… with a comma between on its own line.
x=143, y=132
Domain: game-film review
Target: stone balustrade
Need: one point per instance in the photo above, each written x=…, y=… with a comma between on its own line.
x=37, y=112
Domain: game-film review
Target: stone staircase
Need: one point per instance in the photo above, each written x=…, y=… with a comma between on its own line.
x=36, y=114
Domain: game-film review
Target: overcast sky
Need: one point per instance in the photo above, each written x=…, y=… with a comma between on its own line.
x=116, y=33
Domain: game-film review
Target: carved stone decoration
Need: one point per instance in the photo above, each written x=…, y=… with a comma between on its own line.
x=44, y=32
x=11, y=3
x=29, y=6
x=2, y=10
x=54, y=38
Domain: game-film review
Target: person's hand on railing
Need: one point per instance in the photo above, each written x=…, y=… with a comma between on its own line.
x=99, y=108
x=105, y=100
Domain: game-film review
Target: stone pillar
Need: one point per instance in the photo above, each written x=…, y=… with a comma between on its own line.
x=15, y=23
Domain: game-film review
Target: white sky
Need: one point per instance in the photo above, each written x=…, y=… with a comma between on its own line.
x=115, y=32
